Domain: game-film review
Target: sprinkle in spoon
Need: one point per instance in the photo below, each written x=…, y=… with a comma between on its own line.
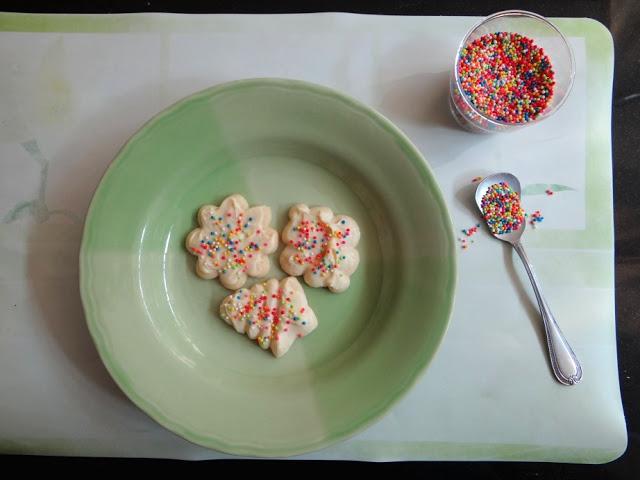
x=501, y=193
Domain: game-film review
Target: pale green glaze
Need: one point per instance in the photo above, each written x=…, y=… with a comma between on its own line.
x=278, y=142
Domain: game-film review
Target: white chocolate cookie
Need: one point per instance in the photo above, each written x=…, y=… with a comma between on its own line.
x=320, y=246
x=233, y=241
x=273, y=313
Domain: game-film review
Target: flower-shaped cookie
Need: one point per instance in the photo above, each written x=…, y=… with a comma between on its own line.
x=233, y=241
x=321, y=247
x=273, y=313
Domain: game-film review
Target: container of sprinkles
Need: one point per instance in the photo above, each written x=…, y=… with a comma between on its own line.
x=512, y=69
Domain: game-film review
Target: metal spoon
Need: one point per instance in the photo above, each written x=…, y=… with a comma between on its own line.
x=566, y=366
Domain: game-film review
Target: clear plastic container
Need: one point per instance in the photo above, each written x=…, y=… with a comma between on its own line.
x=545, y=35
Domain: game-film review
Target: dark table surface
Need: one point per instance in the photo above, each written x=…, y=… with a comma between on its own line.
x=623, y=19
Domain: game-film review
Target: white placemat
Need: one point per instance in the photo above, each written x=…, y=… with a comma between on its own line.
x=74, y=88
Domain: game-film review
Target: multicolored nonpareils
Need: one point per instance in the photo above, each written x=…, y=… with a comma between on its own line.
x=321, y=246
x=274, y=314
x=506, y=76
x=233, y=241
x=535, y=218
x=468, y=232
x=501, y=209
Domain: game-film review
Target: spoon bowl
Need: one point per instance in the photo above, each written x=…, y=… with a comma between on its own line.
x=513, y=236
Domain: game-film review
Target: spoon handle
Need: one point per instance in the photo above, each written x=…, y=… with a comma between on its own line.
x=564, y=362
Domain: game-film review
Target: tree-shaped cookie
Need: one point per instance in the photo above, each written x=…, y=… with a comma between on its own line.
x=320, y=246
x=273, y=313
x=233, y=241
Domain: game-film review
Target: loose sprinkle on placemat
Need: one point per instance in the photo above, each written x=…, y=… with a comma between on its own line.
x=535, y=218
x=468, y=233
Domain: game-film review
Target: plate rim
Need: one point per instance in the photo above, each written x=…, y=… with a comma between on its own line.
x=428, y=179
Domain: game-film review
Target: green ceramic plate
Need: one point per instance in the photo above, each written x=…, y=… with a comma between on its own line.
x=155, y=323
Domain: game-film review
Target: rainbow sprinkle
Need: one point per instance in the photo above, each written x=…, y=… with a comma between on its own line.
x=535, y=218
x=506, y=76
x=271, y=314
x=316, y=248
x=468, y=232
x=232, y=241
x=501, y=208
